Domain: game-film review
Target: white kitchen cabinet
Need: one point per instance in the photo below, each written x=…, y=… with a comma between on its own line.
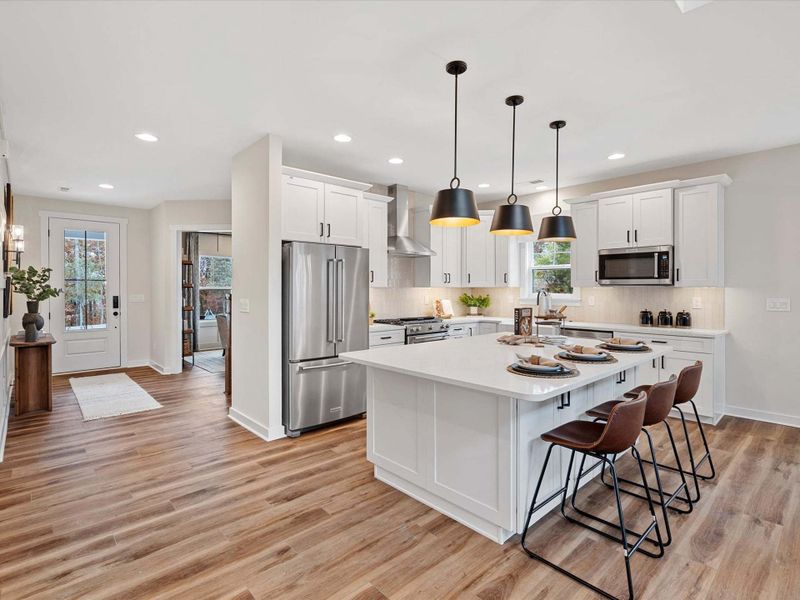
x=624, y=382
x=584, y=248
x=393, y=337
x=302, y=209
x=377, y=235
x=631, y=220
x=652, y=218
x=699, y=236
x=445, y=268
x=614, y=222
x=460, y=330
x=315, y=211
x=486, y=328
x=506, y=269
x=343, y=215
x=479, y=253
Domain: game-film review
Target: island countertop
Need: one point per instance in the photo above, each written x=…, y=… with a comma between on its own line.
x=480, y=362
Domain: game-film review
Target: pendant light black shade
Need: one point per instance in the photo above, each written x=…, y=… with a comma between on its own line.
x=558, y=228
x=512, y=218
x=455, y=207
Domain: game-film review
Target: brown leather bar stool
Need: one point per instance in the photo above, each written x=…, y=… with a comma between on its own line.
x=598, y=440
x=660, y=399
x=688, y=384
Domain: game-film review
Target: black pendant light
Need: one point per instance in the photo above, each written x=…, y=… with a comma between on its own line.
x=512, y=218
x=455, y=207
x=558, y=228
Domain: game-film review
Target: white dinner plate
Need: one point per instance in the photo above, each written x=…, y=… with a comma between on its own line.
x=525, y=366
x=602, y=356
x=625, y=346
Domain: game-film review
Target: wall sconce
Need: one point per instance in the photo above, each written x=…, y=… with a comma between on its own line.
x=16, y=233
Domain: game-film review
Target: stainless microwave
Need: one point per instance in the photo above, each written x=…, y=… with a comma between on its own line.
x=650, y=265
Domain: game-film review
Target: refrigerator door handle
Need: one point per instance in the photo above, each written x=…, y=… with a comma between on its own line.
x=340, y=300
x=331, y=295
x=331, y=366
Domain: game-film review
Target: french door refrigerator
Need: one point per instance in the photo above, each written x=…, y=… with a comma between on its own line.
x=325, y=312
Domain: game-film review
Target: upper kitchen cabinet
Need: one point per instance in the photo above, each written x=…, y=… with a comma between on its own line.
x=479, y=253
x=445, y=267
x=614, y=221
x=506, y=264
x=699, y=239
x=302, y=210
x=584, y=249
x=377, y=233
x=322, y=208
x=637, y=219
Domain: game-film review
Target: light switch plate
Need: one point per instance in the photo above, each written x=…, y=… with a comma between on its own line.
x=244, y=305
x=697, y=302
x=426, y=299
x=135, y=298
x=590, y=300
x=779, y=304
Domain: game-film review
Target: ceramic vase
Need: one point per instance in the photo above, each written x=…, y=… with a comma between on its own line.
x=32, y=321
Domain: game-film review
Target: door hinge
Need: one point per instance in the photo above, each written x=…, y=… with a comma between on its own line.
x=48, y=316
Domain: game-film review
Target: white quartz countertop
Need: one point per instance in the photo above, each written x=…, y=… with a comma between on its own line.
x=679, y=331
x=480, y=319
x=378, y=327
x=480, y=363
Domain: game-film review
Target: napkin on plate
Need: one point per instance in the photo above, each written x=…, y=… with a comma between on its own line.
x=618, y=341
x=516, y=340
x=535, y=359
x=578, y=349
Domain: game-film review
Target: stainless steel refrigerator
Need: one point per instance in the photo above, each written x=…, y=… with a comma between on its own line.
x=325, y=312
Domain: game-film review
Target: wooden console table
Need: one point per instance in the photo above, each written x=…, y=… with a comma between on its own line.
x=33, y=378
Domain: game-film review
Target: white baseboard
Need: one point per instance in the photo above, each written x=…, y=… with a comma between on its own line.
x=269, y=434
x=762, y=415
x=137, y=363
x=157, y=367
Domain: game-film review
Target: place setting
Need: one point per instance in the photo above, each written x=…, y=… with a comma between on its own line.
x=539, y=366
x=585, y=354
x=618, y=344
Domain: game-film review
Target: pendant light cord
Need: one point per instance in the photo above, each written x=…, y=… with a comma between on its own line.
x=455, y=142
x=557, y=208
x=513, y=152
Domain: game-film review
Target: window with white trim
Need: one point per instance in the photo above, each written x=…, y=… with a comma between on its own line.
x=548, y=267
x=215, y=283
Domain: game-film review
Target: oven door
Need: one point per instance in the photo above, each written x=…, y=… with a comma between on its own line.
x=635, y=266
x=421, y=338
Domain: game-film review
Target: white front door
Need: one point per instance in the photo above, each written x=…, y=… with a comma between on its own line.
x=85, y=319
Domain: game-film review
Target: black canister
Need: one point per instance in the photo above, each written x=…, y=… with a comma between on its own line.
x=683, y=319
x=665, y=318
x=646, y=318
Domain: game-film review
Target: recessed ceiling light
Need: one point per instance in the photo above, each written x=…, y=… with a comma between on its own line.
x=541, y=187
x=396, y=161
x=106, y=186
x=483, y=185
x=343, y=138
x=63, y=188
x=616, y=156
x=146, y=137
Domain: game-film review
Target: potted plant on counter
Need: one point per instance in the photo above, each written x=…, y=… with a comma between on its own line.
x=372, y=317
x=475, y=302
x=33, y=284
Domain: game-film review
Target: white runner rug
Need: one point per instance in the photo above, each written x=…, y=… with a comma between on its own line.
x=111, y=395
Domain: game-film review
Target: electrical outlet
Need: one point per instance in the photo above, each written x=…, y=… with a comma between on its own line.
x=426, y=300
x=244, y=305
x=590, y=300
x=697, y=302
x=779, y=305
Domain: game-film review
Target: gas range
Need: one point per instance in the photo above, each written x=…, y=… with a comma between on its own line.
x=420, y=329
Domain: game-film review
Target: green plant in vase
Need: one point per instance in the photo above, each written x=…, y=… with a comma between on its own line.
x=33, y=284
x=475, y=302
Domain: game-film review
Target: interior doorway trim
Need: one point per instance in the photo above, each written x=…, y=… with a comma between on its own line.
x=174, y=344
x=44, y=228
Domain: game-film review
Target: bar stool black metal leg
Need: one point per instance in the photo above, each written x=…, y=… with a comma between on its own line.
x=688, y=500
x=679, y=469
x=707, y=455
x=691, y=454
x=640, y=536
x=628, y=550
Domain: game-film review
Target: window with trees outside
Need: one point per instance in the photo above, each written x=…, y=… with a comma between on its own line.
x=215, y=282
x=548, y=267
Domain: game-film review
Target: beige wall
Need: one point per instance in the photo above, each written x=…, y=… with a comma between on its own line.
x=27, y=212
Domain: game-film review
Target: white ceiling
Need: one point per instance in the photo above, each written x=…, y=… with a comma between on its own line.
x=77, y=80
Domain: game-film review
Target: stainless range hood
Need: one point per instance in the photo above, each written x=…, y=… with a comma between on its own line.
x=400, y=242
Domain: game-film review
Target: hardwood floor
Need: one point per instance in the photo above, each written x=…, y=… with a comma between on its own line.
x=182, y=503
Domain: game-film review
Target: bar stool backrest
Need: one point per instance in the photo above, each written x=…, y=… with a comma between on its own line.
x=660, y=398
x=688, y=382
x=623, y=426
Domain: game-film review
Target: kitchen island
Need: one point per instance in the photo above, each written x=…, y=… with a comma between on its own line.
x=447, y=424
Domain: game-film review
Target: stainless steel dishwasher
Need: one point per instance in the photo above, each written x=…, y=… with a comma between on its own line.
x=592, y=334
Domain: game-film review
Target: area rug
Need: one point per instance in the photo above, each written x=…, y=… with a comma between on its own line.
x=210, y=360
x=111, y=395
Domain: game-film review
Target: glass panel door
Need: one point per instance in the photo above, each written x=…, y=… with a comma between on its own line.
x=84, y=280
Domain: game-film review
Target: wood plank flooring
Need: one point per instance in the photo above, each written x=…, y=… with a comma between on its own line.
x=180, y=502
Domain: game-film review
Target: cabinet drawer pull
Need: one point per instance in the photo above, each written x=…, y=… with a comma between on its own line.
x=371, y=276
x=658, y=341
x=505, y=277
x=469, y=277
x=628, y=235
x=386, y=337
x=678, y=274
x=329, y=230
x=595, y=275
x=321, y=229
x=636, y=235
